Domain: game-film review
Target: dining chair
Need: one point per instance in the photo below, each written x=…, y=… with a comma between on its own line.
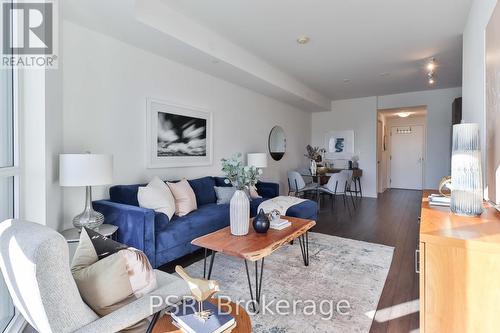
x=337, y=185
x=349, y=180
x=306, y=175
x=297, y=185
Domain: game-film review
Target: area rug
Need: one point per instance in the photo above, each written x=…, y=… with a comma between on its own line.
x=342, y=283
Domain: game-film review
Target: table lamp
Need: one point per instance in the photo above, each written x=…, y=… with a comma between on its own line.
x=86, y=170
x=258, y=160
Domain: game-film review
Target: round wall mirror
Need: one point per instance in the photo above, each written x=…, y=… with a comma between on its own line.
x=277, y=143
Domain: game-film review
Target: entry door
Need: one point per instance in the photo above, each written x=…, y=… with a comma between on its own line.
x=407, y=152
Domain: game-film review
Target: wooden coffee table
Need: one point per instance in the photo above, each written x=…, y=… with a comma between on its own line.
x=254, y=247
x=243, y=323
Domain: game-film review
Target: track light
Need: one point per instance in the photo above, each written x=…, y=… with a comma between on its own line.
x=431, y=67
x=431, y=78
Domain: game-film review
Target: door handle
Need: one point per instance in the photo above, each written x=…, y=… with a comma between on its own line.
x=417, y=261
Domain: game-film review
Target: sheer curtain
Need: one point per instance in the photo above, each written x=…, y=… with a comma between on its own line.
x=6, y=211
x=8, y=176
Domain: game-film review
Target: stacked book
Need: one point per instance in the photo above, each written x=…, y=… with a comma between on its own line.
x=186, y=320
x=439, y=200
x=279, y=224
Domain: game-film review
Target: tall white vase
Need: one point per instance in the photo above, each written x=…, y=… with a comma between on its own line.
x=314, y=167
x=239, y=213
x=466, y=174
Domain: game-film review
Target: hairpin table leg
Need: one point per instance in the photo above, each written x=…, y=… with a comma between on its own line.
x=304, y=247
x=258, y=284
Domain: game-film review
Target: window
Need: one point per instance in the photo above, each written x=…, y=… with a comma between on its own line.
x=9, y=173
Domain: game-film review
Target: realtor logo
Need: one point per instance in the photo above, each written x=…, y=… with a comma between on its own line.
x=28, y=31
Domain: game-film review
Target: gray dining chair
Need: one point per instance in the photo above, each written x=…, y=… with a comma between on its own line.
x=349, y=175
x=297, y=185
x=306, y=175
x=338, y=185
x=35, y=265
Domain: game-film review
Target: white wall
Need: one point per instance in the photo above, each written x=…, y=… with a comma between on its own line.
x=32, y=159
x=54, y=136
x=438, y=103
x=41, y=141
x=359, y=115
x=105, y=93
x=473, y=73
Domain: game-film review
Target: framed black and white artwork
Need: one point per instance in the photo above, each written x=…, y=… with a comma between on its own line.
x=339, y=144
x=178, y=135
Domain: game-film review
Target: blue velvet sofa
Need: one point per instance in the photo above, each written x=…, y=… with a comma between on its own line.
x=163, y=240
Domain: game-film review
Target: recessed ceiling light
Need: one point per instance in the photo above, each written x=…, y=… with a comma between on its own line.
x=303, y=40
x=403, y=114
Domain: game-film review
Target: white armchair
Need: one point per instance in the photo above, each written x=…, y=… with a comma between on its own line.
x=34, y=263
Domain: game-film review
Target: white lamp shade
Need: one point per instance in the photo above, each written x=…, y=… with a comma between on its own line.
x=85, y=169
x=258, y=160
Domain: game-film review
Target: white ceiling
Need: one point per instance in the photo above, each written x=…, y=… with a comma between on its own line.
x=154, y=26
x=350, y=39
x=252, y=43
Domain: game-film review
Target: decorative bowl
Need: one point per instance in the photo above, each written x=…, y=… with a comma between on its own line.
x=322, y=170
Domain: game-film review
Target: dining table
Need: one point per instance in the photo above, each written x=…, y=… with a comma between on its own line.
x=322, y=178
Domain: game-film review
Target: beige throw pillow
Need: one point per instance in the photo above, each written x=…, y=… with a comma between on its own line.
x=110, y=275
x=157, y=195
x=185, y=199
x=253, y=193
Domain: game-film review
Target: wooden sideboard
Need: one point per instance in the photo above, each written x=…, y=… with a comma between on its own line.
x=459, y=266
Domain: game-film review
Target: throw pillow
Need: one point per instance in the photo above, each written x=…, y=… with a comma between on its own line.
x=110, y=275
x=157, y=195
x=185, y=199
x=253, y=193
x=224, y=194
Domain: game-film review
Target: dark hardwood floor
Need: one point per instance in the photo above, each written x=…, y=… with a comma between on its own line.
x=390, y=220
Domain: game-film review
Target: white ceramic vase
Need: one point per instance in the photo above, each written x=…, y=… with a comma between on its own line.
x=314, y=167
x=239, y=213
x=466, y=174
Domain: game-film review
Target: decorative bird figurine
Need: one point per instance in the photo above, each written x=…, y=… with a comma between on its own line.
x=201, y=289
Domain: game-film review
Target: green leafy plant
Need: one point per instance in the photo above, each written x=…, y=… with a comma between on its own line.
x=240, y=176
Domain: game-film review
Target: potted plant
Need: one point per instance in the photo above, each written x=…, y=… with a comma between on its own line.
x=315, y=154
x=242, y=178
